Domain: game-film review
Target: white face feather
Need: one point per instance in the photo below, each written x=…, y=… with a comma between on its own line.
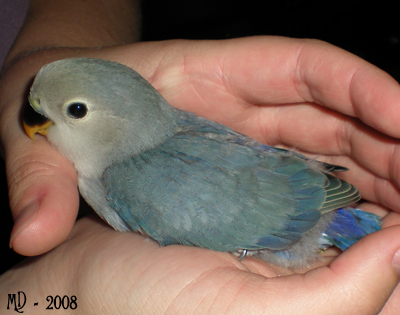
x=124, y=114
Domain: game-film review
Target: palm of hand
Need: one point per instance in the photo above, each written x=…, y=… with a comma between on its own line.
x=128, y=271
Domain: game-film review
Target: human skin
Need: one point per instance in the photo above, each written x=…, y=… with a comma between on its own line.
x=297, y=93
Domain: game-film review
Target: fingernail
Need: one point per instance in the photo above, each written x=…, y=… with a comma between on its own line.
x=22, y=220
x=396, y=262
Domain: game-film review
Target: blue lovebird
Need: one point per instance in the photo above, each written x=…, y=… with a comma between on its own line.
x=181, y=179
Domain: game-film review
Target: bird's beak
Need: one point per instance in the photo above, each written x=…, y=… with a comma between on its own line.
x=33, y=120
x=40, y=129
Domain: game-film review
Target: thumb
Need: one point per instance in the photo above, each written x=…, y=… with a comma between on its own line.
x=360, y=281
x=364, y=276
x=43, y=195
x=42, y=184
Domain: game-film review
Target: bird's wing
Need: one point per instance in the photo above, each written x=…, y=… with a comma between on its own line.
x=211, y=187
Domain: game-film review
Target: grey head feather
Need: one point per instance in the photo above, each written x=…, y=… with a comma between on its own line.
x=121, y=104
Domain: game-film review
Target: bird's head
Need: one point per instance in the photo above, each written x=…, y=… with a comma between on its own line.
x=97, y=112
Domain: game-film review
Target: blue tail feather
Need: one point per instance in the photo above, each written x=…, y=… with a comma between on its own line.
x=349, y=226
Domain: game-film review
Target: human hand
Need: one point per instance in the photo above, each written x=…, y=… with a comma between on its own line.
x=119, y=273
x=36, y=170
x=301, y=93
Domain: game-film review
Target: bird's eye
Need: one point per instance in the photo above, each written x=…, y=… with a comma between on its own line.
x=77, y=110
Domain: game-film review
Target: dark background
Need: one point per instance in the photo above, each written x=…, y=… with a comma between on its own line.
x=370, y=30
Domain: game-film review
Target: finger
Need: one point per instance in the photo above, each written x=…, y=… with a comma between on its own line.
x=43, y=196
x=371, y=267
x=42, y=184
x=281, y=70
x=373, y=158
x=348, y=84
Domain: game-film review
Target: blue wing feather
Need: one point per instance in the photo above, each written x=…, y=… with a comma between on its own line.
x=349, y=226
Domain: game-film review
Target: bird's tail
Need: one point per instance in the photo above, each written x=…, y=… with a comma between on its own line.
x=348, y=227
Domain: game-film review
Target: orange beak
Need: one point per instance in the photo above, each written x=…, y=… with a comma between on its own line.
x=34, y=122
x=40, y=129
